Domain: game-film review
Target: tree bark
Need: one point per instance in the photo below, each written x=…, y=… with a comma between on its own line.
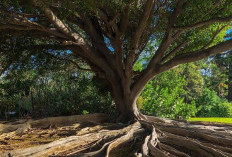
x=125, y=102
x=126, y=106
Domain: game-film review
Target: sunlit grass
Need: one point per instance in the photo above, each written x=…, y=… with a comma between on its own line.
x=212, y=119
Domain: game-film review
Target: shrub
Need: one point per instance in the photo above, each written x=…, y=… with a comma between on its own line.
x=167, y=102
x=211, y=105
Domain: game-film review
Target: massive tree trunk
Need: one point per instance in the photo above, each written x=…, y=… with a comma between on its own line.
x=125, y=98
x=125, y=103
x=126, y=108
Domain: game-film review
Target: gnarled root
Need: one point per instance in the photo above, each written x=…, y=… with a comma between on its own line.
x=106, y=149
x=20, y=126
x=175, y=138
x=146, y=137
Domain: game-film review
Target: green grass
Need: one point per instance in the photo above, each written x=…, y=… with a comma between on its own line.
x=213, y=119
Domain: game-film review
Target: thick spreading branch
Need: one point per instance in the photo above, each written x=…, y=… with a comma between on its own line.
x=197, y=55
x=19, y=24
x=70, y=61
x=138, y=33
x=177, y=60
x=59, y=24
x=125, y=18
x=168, y=38
x=175, y=50
x=206, y=22
x=91, y=26
x=154, y=63
x=214, y=36
x=75, y=38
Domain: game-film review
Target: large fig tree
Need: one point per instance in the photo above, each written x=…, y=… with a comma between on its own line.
x=111, y=36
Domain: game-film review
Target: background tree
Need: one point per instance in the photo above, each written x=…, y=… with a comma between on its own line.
x=217, y=74
x=230, y=79
x=40, y=90
x=224, y=62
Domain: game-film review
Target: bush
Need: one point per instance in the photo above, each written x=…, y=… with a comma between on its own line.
x=163, y=97
x=224, y=109
x=56, y=94
x=211, y=105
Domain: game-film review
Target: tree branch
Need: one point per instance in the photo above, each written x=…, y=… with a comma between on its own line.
x=77, y=40
x=197, y=55
x=168, y=39
x=125, y=17
x=95, y=35
x=214, y=36
x=58, y=23
x=180, y=59
x=206, y=22
x=68, y=60
x=114, y=35
x=143, y=22
x=138, y=33
x=176, y=13
x=23, y=24
x=175, y=50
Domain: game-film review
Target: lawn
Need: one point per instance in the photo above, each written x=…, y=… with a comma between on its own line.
x=212, y=119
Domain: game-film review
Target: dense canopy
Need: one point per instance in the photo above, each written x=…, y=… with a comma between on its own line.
x=110, y=36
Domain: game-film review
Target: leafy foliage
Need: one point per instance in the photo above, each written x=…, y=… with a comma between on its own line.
x=182, y=93
x=211, y=105
x=61, y=92
x=165, y=96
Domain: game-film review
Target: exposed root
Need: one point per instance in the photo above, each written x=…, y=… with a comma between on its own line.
x=150, y=137
x=145, y=149
x=69, y=145
x=106, y=149
x=172, y=150
x=204, y=135
x=20, y=126
x=182, y=139
x=149, y=145
x=190, y=146
x=135, y=130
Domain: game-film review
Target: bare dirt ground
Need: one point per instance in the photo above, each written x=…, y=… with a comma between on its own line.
x=80, y=135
